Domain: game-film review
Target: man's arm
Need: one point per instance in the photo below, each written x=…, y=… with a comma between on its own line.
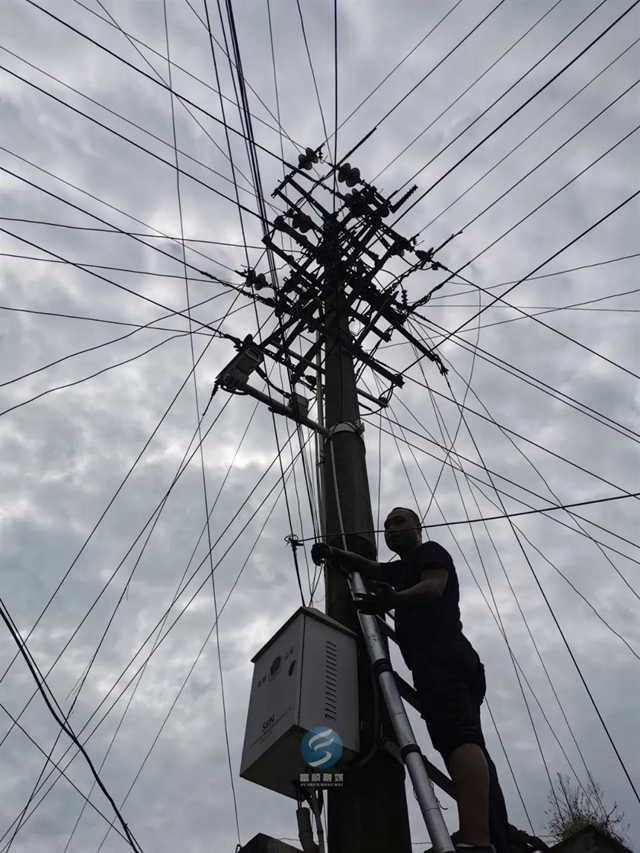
x=353, y=562
x=429, y=588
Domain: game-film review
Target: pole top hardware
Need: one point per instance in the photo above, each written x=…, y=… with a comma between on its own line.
x=307, y=160
x=349, y=175
x=258, y=280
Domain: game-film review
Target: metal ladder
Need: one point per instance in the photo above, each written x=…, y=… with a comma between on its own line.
x=410, y=752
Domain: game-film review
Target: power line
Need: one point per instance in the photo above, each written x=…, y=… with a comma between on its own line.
x=183, y=105
x=553, y=153
x=556, y=498
x=524, y=488
x=494, y=242
x=137, y=328
x=313, y=73
x=503, y=516
x=130, y=549
x=198, y=418
x=104, y=222
x=120, y=322
x=295, y=479
x=131, y=38
x=157, y=514
x=159, y=234
x=548, y=260
x=536, y=277
x=541, y=309
x=111, y=502
x=275, y=84
x=122, y=136
x=92, y=375
x=335, y=102
x=557, y=624
x=62, y=773
x=529, y=135
x=462, y=94
x=202, y=648
x=177, y=175
x=578, y=593
x=216, y=332
x=395, y=68
x=574, y=517
x=519, y=500
x=518, y=110
x=438, y=64
x=227, y=137
x=536, y=383
x=185, y=608
x=148, y=76
x=108, y=267
x=552, y=309
x=137, y=234
x=173, y=601
x=527, y=216
x=520, y=436
x=252, y=153
x=245, y=119
x=133, y=123
x=255, y=166
x=280, y=129
x=181, y=469
x=64, y=725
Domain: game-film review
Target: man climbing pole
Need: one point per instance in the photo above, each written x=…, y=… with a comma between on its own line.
x=422, y=587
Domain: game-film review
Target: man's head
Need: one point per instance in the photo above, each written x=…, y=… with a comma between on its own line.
x=402, y=530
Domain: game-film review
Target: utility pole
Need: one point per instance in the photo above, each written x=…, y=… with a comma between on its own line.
x=370, y=812
x=332, y=282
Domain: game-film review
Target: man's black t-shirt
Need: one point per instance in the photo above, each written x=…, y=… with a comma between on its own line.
x=435, y=621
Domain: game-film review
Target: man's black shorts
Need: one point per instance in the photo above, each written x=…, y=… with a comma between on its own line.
x=450, y=682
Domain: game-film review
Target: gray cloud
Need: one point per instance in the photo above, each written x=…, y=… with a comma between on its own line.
x=65, y=454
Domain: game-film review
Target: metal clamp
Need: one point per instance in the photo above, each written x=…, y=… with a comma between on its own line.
x=346, y=426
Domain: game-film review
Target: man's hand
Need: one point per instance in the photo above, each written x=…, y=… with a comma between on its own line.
x=383, y=599
x=320, y=551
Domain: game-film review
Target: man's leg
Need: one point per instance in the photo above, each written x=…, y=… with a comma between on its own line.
x=451, y=687
x=498, y=819
x=470, y=776
x=450, y=705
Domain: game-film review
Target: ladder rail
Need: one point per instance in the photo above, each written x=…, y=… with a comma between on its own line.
x=410, y=752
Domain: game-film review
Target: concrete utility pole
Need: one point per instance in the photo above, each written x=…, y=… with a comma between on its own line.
x=369, y=814
x=332, y=281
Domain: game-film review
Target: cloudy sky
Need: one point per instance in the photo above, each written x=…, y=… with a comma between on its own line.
x=552, y=406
